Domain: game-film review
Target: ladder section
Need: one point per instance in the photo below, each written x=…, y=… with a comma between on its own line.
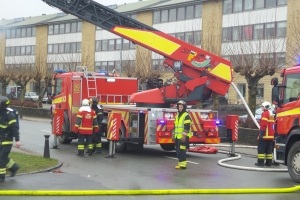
x=152, y=117
x=91, y=83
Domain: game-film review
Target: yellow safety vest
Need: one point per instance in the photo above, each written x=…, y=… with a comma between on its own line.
x=179, y=126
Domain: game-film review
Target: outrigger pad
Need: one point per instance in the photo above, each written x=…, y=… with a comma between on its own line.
x=204, y=149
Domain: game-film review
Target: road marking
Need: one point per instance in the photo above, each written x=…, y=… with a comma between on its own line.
x=46, y=131
x=186, y=161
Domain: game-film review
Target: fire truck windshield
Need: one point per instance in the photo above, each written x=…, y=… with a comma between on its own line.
x=58, y=86
x=292, y=89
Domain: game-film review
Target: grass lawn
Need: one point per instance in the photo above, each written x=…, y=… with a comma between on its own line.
x=31, y=163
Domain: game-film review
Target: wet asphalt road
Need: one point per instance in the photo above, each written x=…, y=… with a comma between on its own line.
x=151, y=168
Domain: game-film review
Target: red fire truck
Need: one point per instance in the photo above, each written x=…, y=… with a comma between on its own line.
x=287, y=124
x=150, y=120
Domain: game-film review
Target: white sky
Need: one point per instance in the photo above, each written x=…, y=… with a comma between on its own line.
x=11, y=9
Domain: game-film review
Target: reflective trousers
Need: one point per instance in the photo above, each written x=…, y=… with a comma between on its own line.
x=97, y=141
x=181, y=148
x=265, y=150
x=88, y=138
x=5, y=161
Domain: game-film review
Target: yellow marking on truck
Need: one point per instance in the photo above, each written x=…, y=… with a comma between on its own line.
x=212, y=140
x=295, y=111
x=222, y=71
x=150, y=39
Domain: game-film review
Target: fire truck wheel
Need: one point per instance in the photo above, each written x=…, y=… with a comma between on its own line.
x=167, y=147
x=65, y=139
x=293, y=162
x=121, y=146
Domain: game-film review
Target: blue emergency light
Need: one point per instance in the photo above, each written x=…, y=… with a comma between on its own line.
x=218, y=122
x=60, y=71
x=162, y=121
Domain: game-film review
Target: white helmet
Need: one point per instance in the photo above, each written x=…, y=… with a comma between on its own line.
x=266, y=105
x=85, y=102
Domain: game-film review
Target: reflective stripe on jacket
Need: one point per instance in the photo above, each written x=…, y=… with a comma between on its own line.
x=179, y=126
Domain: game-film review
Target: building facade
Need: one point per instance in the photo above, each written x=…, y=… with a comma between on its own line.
x=63, y=41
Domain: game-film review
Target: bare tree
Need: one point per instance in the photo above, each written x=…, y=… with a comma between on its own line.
x=293, y=39
x=255, y=59
x=68, y=61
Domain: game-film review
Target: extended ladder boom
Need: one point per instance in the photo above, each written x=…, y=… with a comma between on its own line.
x=198, y=72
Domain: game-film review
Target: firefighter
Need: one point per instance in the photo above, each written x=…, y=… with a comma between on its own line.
x=9, y=129
x=86, y=123
x=97, y=135
x=181, y=134
x=265, y=138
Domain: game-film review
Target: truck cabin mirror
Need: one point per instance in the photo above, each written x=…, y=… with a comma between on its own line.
x=274, y=81
x=275, y=96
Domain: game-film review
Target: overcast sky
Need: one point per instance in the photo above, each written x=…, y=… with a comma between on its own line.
x=10, y=9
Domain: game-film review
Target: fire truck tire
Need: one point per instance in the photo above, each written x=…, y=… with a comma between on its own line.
x=293, y=161
x=121, y=146
x=65, y=139
x=167, y=147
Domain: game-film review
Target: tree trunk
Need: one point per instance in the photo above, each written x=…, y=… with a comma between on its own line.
x=4, y=89
x=252, y=91
x=215, y=98
x=199, y=105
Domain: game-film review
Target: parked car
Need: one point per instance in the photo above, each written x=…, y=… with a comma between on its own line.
x=31, y=96
x=45, y=98
x=257, y=115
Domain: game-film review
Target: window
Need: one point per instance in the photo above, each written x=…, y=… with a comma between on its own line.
x=281, y=2
x=280, y=60
x=248, y=5
x=78, y=47
x=227, y=6
x=292, y=87
x=111, y=45
x=73, y=47
x=13, y=33
x=270, y=30
x=103, y=66
x=118, y=44
x=7, y=34
x=226, y=34
x=7, y=51
x=18, y=33
x=50, y=48
x=28, y=32
x=198, y=11
x=132, y=45
x=248, y=32
x=189, y=37
x=258, y=31
x=67, y=48
x=125, y=44
x=164, y=15
x=133, y=16
x=197, y=38
x=23, y=33
x=97, y=66
x=156, y=17
x=12, y=51
x=238, y=5
x=270, y=3
x=104, y=46
x=180, y=13
x=180, y=36
x=260, y=91
x=61, y=48
x=242, y=89
x=55, y=48
x=155, y=64
x=73, y=27
x=33, y=32
x=189, y=12
x=58, y=86
x=79, y=26
x=98, y=45
x=172, y=15
x=56, y=29
x=237, y=33
x=259, y=4
x=18, y=51
x=68, y=28
x=50, y=29
x=28, y=50
x=62, y=28
x=111, y=66
x=23, y=50
x=281, y=29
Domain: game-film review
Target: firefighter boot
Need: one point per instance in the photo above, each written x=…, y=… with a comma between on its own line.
x=260, y=162
x=2, y=178
x=268, y=162
x=97, y=151
x=14, y=170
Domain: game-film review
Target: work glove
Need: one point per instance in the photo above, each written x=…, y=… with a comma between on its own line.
x=183, y=139
x=261, y=134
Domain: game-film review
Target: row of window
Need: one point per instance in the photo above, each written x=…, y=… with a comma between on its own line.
x=24, y=66
x=20, y=51
x=254, y=31
x=232, y=6
x=65, y=28
x=74, y=47
x=177, y=14
x=21, y=32
x=71, y=66
x=242, y=88
x=192, y=37
x=114, y=44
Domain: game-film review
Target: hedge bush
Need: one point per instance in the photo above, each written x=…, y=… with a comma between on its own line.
x=30, y=104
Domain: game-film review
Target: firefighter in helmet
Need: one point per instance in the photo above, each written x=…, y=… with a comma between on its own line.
x=265, y=137
x=97, y=135
x=9, y=129
x=86, y=123
x=181, y=134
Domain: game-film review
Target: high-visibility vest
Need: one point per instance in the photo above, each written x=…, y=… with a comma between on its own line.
x=179, y=126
